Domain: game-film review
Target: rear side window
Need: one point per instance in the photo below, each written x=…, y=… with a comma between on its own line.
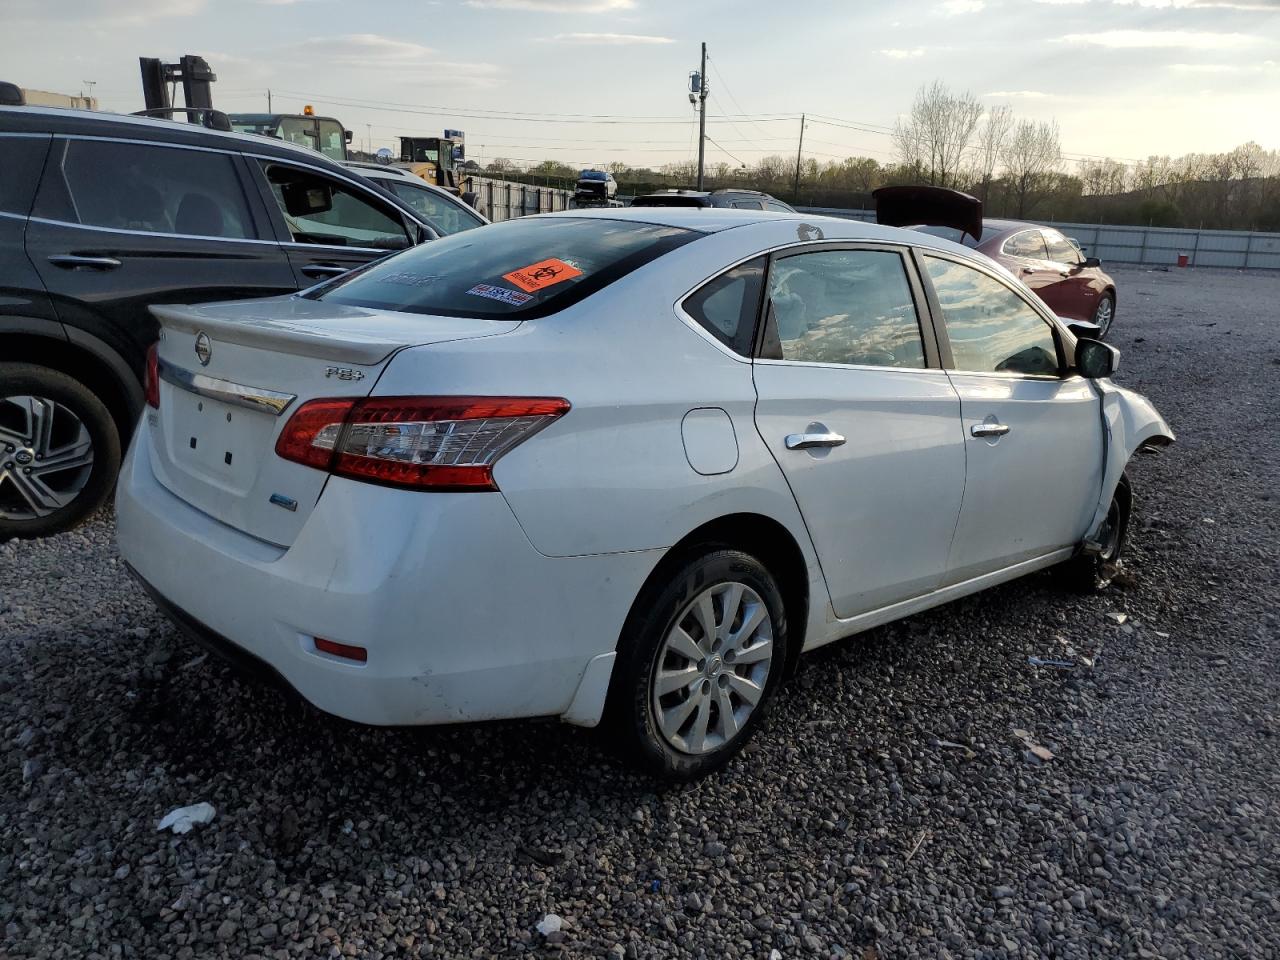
x=727, y=307
x=1060, y=248
x=21, y=159
x=318, y=209
x=1028, y=245
x=527, y=267
x=154, y=189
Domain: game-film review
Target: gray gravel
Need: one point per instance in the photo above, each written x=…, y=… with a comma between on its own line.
x=888, y=809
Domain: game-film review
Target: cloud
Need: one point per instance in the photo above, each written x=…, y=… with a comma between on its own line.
x=953, y=8
x=1271, y=5
x=607, y=39
x=1265, y=67
x=556, y=6
x=1160, y=39
x=371, y=52
x=99, y=11
x=903, y=54
x=1020, y=94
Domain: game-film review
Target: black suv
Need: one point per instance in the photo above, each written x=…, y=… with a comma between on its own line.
x=102, y=215
x=735, y=199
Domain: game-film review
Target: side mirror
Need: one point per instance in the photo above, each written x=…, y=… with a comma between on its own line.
x=470, y=197
x=347, y=135
x=1083, y=329
x=1096, y=360
x=1092, y=262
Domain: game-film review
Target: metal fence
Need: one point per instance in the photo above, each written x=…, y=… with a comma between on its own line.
x=1153, y=246
x=503, y=200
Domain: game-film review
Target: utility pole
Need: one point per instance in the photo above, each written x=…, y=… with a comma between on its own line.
x=799, y=149
x=269, y=110
x=702, y=118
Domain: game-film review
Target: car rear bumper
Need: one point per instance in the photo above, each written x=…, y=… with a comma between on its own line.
x=462, y=618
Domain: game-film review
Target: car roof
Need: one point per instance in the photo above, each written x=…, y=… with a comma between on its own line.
x=60, y=120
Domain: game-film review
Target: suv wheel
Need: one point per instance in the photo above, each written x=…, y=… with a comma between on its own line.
x=59, y=451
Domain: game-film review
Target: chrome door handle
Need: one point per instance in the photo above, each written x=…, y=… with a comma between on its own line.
x=71, y=261
x=315, y=270
x=988, y=430
x=807, y=441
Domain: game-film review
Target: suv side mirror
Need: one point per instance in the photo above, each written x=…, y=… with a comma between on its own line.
x=1092, y=262
x=1096, y=360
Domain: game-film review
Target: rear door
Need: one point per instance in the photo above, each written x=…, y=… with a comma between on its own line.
x=1033, y=431
x=863, y=423
x=1028, y=260
x=120, y=225
x=329, y=224
x=1073, y=295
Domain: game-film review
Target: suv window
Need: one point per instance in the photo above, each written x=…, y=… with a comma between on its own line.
x=521, y=268
x=1027, y=244
x=153, y=188
x=321, y=210
x=777, y=206
x=1060, y=248
x=843, y=306
x=727, y=306
x=21, y=159
x=445, y=215
x=747, y=205
x=991, y=328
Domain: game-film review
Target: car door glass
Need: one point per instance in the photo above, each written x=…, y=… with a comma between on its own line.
x=747, y=205
x=325, y=211
x=727, y=306
x=443, y=214
x=991, y=328
x=843, y=306
x=1028, y=244
x=151, y=188
x=1060, y=248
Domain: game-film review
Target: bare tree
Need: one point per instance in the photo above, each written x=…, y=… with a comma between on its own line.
x=990, y=145
x=1031, y=158
x=937, y=132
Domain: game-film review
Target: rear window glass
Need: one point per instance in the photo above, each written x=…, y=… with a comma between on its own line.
x=527, y=267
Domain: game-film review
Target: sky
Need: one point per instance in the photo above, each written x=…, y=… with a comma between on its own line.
x=589, y=82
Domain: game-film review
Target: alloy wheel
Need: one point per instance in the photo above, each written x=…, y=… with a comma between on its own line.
x=711, y=670
x=1103, y=315
x=46, y=457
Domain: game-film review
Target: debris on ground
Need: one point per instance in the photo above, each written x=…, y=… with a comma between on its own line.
x=1117, y=617
x=1039, y=752
x=183, y=819
x=1043, y=662
x=550, y=924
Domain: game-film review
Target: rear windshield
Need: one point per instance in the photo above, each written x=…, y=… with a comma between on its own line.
x=528, y=267
x=958, y=235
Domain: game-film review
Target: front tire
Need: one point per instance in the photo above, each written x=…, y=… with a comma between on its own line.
x=700, y=658
x=1104, y=314
x=1093, y=572
x=59, y=451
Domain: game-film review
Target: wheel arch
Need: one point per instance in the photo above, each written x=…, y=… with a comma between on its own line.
x=88, y=360
x=769, y=542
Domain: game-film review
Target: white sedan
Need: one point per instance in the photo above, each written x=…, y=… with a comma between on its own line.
x=618, y=466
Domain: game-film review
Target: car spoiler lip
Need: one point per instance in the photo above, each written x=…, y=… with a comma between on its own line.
x=929, y=206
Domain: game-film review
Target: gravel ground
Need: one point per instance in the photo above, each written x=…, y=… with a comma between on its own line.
x=887, y=810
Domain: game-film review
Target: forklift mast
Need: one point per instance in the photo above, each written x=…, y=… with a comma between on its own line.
x=196, y=76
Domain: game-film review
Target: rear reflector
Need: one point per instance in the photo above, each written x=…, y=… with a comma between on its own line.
x=423, y=443
x=343, y=650
x=151, y=386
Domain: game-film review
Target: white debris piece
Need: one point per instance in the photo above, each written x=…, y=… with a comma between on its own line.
x=1118, y=617
x=549, y=924
x=184, y=818
x=775, y=954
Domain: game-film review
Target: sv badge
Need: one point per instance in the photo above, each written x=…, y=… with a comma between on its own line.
x=344, y=373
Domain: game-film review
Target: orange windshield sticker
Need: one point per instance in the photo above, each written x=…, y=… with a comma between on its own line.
x=536, y=276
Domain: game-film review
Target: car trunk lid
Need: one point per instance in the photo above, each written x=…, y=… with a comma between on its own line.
x=911, y=206
x=232, y=374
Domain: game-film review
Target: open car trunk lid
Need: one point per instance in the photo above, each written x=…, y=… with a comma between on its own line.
x=929, y=207
x=232, y=374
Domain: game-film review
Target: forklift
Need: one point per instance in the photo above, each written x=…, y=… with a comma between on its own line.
x=437, y=160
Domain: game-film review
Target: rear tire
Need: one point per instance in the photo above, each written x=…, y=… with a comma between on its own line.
x=1093, y=572
x=48, y=418
x=684, y=700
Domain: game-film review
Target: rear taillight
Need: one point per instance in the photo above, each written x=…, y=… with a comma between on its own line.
x=425, y=443
x=151, y=384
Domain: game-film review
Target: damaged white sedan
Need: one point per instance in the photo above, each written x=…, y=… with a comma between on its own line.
x=620, y=466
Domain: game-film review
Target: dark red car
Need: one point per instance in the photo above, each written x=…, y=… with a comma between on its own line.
x=1073, y=285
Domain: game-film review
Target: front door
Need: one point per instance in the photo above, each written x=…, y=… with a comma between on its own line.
x=118, y=226
x=330, y=225
x=864, y=425
x=1034, y=435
